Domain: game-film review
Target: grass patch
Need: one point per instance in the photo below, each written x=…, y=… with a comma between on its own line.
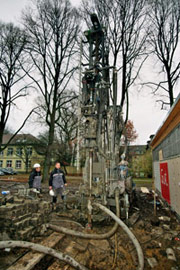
x=147, y=182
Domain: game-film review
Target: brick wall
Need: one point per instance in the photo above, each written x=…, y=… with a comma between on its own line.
x=22, y=219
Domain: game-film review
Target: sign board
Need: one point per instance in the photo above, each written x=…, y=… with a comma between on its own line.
x=164, y=178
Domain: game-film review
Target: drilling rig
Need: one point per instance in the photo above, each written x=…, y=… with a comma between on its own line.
x=101, y=125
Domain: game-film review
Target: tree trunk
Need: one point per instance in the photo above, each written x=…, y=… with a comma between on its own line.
x=26, y=163
x=170, y=86
x=123, y=80
x=171, y=96
x=47, y=161
x=2, y=120
x=1, y=136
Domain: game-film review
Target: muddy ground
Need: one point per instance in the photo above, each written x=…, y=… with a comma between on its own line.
x=155, y=233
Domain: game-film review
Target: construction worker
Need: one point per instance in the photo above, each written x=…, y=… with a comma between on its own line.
x=57, y=183
x=35, y=178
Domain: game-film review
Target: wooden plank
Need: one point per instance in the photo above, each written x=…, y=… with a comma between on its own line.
x=30, y=259
x=70, y=251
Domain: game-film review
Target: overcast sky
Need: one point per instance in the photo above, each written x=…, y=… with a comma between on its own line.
x=144, y=111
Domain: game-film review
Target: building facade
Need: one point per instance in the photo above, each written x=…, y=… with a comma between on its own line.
x=137, y=156
x=166, y=158
x=22, y=152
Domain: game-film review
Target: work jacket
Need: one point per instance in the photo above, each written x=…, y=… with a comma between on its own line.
x=57, y=179
x=35, y=179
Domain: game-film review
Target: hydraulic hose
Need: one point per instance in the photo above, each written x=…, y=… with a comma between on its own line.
x=108, y=234
x=46, y=250
x=71, y=221
x=129, y=233
x=88, y=235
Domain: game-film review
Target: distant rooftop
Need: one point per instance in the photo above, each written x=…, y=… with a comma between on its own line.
x=19, y=138
x=137, y=146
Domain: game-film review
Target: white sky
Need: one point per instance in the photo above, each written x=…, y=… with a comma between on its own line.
x=144, y=111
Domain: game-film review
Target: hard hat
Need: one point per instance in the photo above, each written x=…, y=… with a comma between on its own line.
x=51, y=193
x=37, y=165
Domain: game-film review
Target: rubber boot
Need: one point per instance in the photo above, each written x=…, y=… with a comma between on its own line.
x=54, y=207
x=54, y=201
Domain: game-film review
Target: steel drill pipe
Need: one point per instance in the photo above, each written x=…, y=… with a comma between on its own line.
x=42, y=249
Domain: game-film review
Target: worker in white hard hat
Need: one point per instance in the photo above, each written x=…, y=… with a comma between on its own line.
x=35, y=178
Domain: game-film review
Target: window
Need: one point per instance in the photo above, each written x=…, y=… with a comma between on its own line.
x=19, y=151
x=1, y=153
x=29, y=151
x=18, y=164
x=10, y=151
x=1, y=163
x=29, y=163
x=9, y=163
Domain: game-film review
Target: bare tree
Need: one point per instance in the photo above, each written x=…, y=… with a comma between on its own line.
x=67, y=126
x=164, y=19
x=124, y=23
x=52, y=27
x=64, y=144
x=12, y=86
x=67, y=132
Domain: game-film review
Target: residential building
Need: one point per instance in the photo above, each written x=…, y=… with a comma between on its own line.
x=23, y=151
x=135, y=150
x=166, y=158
